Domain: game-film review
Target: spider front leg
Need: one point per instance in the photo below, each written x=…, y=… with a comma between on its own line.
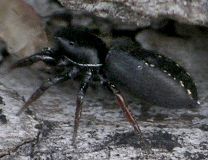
x=50, y=82
x=46, y=55
x=80, y=96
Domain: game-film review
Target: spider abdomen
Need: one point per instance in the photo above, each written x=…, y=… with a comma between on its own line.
x=147, y=81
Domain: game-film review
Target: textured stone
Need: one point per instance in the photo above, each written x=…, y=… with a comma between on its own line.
x=143, y=12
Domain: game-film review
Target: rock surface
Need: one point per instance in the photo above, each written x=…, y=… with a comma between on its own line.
x=21, y=28
x=45, y=131
x=143, y=12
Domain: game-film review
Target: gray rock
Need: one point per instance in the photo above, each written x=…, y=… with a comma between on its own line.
x=143, y=12
x=21, y=28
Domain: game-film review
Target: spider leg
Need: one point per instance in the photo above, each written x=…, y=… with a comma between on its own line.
x=50, y=82
x=80, y=96
x=125, y=108
x=46, y=55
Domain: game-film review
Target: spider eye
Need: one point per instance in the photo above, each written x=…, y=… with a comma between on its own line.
x=71, y=43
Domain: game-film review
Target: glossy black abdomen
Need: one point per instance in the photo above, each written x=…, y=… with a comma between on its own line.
x=146, y=81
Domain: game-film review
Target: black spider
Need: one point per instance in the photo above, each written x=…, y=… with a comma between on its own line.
x=148, y=75
x=79, y=53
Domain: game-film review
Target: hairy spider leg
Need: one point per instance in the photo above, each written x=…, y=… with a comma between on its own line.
x=125, y=108
x=122, y=103
x=45, y=55
x=80, y=97
x=50, y=82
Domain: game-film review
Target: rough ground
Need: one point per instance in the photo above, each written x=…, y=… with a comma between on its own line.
x=45, y=131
